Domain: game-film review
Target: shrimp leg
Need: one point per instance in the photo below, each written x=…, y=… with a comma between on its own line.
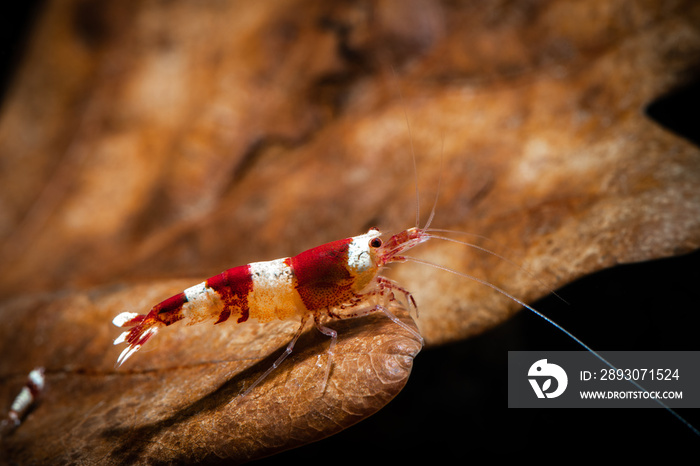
x=287, y=351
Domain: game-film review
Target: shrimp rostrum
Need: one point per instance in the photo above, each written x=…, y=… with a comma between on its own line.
x=336, y=280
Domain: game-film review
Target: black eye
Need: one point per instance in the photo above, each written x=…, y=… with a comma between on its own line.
x=375, y=242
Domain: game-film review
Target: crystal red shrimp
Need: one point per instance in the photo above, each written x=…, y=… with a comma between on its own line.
x=339, y=280
x=24, y=400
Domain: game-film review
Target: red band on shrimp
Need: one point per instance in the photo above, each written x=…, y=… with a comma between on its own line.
x=170, y=310
x=233, y=287
x=322, y=274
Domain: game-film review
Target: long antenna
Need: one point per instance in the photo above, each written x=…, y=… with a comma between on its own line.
x=566, y=332
x=410, y=141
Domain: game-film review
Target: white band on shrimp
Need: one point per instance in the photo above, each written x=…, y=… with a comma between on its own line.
x=359, y=257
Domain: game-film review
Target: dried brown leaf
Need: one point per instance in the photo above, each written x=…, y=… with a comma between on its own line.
x=181, y=138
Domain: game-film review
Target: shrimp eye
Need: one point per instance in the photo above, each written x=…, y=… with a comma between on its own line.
x=375, y=242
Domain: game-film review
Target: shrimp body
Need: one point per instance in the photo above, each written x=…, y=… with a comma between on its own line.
x=23, y=402
x=333, y=279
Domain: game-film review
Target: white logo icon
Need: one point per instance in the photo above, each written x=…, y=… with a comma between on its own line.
x=547, y=371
